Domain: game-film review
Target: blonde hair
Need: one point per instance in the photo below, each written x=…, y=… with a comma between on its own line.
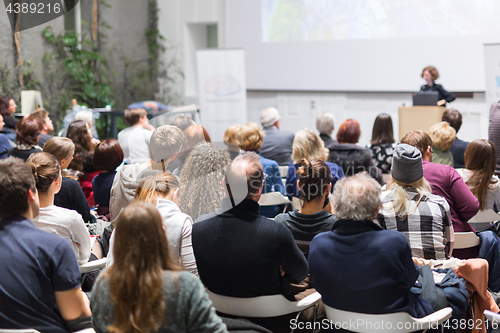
x=308, y=145
x=442, y=135
x=251, y=137
x=231, y=134
x=398, y=188
x=60, y=147
x=149, y=188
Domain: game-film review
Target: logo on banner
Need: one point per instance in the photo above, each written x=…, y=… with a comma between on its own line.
x=222, y=85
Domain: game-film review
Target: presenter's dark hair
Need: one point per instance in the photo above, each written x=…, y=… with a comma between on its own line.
x=349, y=131
x=16, y=179
x=433, y=71
x=383, y=132
x=454, y=118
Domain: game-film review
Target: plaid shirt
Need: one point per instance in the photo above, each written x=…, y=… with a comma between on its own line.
x=427, y=227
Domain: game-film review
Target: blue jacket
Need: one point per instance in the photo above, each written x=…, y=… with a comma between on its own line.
x=490, y=250
x=360, y=267
x=272, y=183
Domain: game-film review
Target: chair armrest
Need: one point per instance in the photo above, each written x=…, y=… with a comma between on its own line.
x=309, y=300
x=439, y=316
x=93, y=265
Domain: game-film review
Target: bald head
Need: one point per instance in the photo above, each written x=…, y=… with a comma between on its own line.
x=244, y=177
x=356, y=198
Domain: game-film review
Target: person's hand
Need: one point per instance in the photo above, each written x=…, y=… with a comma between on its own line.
x=441, y=102
x=148, y=126
x=282, y=272
x=95, y=141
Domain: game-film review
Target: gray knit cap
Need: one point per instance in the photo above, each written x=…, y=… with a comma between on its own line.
x=406, y=164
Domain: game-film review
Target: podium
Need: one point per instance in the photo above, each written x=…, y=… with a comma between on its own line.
x=418, y=118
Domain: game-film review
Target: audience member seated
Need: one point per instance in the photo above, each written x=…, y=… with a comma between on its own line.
x=40, y=284
x=409, y=207
x=447, y=183
x=363, y=268
x=5, y=143
x=382, y=143
x=313, y=217
x=70, y=195
x=83, y=159
x=164, y=146
x=162, y=191
x=325, y=124
x=240, y=253
x=442, y=136
x=7, y=108
x=192, y=136
x=277, y=144
x=480, y=160
x=48, y=127
x=201, y=180
x=134, y=140
x=182, y=121
x=108, y=156
x=27, y=134
x=250, y=139
x=145, y=289
x=230, y=138
x=308, y=145
x=454, y=118
x=59, y=221
x=351, y=157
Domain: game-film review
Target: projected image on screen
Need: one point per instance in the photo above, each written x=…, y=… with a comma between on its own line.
x=319, y=20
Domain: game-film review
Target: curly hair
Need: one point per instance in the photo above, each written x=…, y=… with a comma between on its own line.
x=201, y=189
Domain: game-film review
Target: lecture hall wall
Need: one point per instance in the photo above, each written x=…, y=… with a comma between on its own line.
x=185, y=25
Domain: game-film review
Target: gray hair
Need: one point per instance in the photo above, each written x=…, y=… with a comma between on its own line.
x=325, y=123
x=183, y=121
x=356, y=198
x=165, y=141
x=85, y=115
x=269, y=116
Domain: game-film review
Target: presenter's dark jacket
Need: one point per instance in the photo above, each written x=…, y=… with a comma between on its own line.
x=360, y=267
x=443, y=94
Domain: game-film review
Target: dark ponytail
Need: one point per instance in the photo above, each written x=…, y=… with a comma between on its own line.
x=314, y=177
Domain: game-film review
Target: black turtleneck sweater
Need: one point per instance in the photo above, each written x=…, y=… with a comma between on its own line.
x=239, y=253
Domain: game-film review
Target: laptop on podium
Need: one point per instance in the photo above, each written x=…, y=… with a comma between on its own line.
x=425, y=98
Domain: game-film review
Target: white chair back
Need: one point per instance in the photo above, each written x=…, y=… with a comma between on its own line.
x=93, y=265
x=465, y=240
x=484, y=216
x=283, y=170
x=262, y=306
x=400, y=322
x=273, y=198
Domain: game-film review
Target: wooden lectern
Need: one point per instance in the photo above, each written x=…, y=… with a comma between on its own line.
x=418, y=118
